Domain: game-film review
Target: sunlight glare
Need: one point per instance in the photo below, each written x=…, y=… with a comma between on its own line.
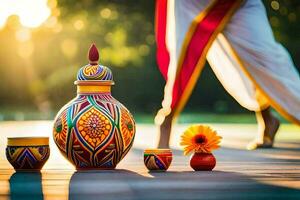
x=32, y=13
x=23, y=35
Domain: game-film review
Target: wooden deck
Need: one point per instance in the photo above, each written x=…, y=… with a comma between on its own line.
x=239, y=174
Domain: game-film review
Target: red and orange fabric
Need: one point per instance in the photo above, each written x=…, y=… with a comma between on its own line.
x=235, y=37
x=198, y=39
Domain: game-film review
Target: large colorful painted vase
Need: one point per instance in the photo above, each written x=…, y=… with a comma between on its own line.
x=94, y=130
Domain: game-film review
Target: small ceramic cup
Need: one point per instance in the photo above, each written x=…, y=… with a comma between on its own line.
x=27, y=153
x=157, y=159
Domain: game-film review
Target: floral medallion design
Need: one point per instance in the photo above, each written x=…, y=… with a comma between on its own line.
x=94, y=127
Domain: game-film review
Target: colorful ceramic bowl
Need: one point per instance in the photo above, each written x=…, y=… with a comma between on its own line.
x=27, y=153
x=158, y=159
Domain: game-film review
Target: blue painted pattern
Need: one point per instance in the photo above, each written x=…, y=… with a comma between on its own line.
x=95, y=72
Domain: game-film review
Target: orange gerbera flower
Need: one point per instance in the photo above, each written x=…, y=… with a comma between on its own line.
x=200, y=138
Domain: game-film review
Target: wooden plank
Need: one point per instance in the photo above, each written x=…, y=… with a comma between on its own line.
x=239, y=174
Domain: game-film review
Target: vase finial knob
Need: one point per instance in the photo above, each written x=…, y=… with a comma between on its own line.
x=93, y=55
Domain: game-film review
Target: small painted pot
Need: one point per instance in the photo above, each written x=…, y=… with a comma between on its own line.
x=27, y=153
x=203, y=161
x=158, y=159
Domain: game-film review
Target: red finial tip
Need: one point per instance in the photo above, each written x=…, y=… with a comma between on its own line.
x=93, y=55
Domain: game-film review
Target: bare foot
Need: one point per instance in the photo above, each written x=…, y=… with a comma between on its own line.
x=271, y=126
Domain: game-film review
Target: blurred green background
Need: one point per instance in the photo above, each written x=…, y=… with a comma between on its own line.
x=39, y=59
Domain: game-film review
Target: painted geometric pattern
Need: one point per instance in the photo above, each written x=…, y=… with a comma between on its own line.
x=127, y=127
x=94, y=127
x=100, y=131
x=60, y=131
x=28, y=157
x=157, y=162
x=95, y=72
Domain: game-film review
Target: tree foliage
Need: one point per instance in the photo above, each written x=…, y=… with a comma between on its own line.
x=38, y=73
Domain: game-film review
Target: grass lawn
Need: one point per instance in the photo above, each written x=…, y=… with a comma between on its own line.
x=186, y=117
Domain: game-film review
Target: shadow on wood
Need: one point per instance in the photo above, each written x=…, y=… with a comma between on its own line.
x=26, y=185
x=125, y=184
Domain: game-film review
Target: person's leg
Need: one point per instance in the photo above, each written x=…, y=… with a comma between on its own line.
x=165, y=132
x=268, y=126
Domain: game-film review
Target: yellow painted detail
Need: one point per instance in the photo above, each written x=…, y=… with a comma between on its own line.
x=27, y=141
x=93, y=89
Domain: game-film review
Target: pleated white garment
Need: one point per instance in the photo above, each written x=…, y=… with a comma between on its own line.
x=252, y=67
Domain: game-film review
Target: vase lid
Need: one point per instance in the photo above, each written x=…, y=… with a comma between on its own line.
x=94, y=72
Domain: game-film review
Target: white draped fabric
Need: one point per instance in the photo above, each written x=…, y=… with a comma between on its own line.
x=255, y=69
